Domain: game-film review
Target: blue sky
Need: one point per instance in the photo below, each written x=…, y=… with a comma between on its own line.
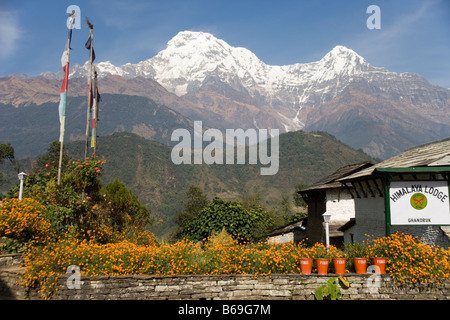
x=414, y=35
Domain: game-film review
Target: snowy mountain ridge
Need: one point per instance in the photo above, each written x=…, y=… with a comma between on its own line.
x=190, y=57
x=194, y=59
x=204, y=78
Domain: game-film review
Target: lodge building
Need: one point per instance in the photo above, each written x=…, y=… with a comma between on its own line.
x=364, y=199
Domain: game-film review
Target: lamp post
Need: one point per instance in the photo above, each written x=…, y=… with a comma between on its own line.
x=22, y=177
x=326, y=218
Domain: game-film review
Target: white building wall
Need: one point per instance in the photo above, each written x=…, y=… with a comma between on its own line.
x=340, y=204
x=281, y=238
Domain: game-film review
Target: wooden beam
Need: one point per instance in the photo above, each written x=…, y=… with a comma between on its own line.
x=380, y=193
x=349, y=190
x=362, y=189
x=370, y=189
x=356, y=191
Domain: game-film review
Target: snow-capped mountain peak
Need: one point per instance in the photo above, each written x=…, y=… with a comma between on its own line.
x=340, y=51
x=230, y=87
x=190, y=57
x=342, y=61
x=193, y=59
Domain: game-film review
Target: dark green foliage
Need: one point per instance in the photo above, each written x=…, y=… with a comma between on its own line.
x=50, y=160
x=240, y=223
x=79, y=201
x=125, y=208
x=83, y=177
x=329, y=291
x=6, y=152
x=196, y=201
x=298, y=199
x=145, y=167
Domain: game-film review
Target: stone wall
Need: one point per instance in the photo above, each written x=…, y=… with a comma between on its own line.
x=238, y=287
x=10, y=260
x=10, y=271
x=220, y=287
x=10, y=288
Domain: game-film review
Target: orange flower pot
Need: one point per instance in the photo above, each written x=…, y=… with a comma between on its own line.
x=360, y=265
x=306, y=265
x=339, y=265
x=322, y=265
x=380, y=262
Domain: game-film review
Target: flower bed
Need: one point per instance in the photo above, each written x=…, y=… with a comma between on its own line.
x=48, y=255
x=409, y=261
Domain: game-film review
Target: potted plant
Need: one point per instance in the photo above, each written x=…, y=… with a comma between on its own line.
x=358, y=253
x=322, y=265
x=305, y=261
x=339, y=261
x=377, y=253
x=380, y=262
x=322, y=257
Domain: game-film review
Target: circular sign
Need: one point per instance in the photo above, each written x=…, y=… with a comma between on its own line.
x=418, y=201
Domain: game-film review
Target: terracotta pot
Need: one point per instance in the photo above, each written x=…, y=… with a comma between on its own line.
x=360, y=265
x=322, y=265
x=306, y=265
x=380, y=262
x=339, y=265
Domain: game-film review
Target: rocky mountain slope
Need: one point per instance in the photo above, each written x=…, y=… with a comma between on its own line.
x=204, y=78
x=31, y=129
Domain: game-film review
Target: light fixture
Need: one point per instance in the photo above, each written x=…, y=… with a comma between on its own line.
x=21, y=177
x=326, y=218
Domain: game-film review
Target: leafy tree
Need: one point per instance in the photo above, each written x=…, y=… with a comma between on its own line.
x=298, y=200
x=125, y=208
x=80, y=204
x=250, y=201
x=240, y=223
x=72, y=202
x=6, y=152
x=48, y=162
x=284, y=206
x=196, y=201
x=83, y=176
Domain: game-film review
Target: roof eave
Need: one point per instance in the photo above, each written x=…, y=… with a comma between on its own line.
x=433, y=169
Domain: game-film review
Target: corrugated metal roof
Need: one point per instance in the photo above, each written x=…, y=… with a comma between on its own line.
x=427, y=155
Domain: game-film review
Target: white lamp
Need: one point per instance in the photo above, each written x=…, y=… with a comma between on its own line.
x=326, y=218
x=22, y=177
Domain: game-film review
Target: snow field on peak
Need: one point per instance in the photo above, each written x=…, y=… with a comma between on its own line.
x=192, y=56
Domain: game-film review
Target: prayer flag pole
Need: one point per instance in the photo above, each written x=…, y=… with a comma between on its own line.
x=95, y=116
x=90, y=47
x=63, y=94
